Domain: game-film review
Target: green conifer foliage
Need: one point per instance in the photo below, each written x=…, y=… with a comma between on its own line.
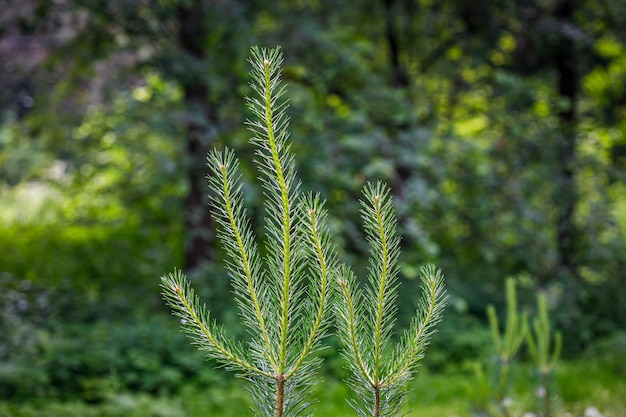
x=544, y=346
x=284, y=297
x=380, y=368
x=507, y=344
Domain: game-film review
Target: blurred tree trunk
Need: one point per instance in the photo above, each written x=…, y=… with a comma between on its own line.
x=400, y=74
x=565, y=62
x=199, y=125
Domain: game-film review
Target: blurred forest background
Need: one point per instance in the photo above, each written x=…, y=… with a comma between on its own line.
x=499, y=124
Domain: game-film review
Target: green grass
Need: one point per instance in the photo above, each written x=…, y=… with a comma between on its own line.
x=590, y=383
x=577, y=385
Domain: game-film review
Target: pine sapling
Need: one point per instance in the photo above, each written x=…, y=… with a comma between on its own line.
x=507, y=344
x=381, y=369
x=544, y=348
x=283, y=298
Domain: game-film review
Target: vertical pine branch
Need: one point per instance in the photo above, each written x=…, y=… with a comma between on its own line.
x=429, y=312
x=278, y=180
x=236, y=233
x=544, y=347
x=379, y=371
x=279, y=205
x=283, y=298
x=321, y=250
x=380, y=225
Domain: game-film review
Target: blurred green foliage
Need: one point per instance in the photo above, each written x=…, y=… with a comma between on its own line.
x=581, y=384
x=104, y=214
x=459, y=111
x=93, y=362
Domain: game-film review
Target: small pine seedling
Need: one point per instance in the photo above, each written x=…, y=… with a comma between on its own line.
x=380, y=369
x=283, y=299
x=544, y=347
x=507, y=344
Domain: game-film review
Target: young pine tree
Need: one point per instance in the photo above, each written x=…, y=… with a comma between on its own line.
x=507, y=344
x=544, y=346
x=381, y=369
x=284, y=298
x=489, y=395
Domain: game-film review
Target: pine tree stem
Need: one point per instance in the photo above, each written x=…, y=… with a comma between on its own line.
x=376, y=401
x=280, y=396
